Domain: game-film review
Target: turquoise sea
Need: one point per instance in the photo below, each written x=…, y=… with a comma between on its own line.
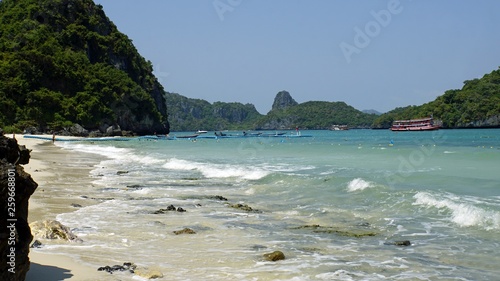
x=334, y=204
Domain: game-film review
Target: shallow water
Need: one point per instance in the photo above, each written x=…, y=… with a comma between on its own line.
x=440, y=190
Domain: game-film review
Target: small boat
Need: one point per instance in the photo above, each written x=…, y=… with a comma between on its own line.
x=424, y=124
x=201, y=132
x=186, y=137
x=339, y=128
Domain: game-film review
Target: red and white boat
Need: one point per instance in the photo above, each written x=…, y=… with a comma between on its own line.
x=425, y=124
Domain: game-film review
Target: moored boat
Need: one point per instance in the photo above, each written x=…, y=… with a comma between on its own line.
x=339, y=128
x=424, y=124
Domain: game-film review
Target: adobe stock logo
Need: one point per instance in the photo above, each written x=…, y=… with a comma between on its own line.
x=224, y=6
x=363, y=37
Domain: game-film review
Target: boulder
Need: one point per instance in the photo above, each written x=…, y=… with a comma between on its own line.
x=127, y=266
x=78, y=130
x=184, y=231
x=243, y=207
x=51, y=229
x=401, y=243
x=114, y=130
x=274, y=256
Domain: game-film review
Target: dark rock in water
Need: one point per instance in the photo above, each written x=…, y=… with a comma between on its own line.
x=36, y=244
x=243, y=207
x=356, y=233
x=274, y=256
x=127, y=266
x=170, y=208
x=136, y=186
x=74, y=205
x=184, y=231
x=218, y=197
x=403, y=243
x=258, y=247
x=11, y=157
x=121, y=172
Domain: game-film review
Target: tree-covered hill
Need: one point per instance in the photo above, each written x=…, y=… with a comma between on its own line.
x=186, y=114
x=65, y=62
x=315, y=115
x=476, y=105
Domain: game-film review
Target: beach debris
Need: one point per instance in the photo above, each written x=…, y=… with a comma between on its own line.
x=74, y=205
x=170, y=208
x=51, y=229
x=401, y=243
x=274, y=256
x=36, y=244
x=121, y=172
x=149, y=273
x=127, y=266
x=184, y=231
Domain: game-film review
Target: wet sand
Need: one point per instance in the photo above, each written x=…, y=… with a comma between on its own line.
x=53, y=168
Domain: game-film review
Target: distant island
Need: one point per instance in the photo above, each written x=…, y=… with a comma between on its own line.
x=65, y=68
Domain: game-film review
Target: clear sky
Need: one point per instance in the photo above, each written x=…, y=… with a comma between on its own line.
x=378, y=54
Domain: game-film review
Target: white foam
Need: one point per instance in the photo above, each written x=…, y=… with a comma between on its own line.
x=358, y=184
x=463, y=213
x=210, y=170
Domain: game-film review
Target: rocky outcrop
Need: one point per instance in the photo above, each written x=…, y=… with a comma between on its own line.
x=16, y=187
x=492, y=122
x=51, y=229
x=283, y=100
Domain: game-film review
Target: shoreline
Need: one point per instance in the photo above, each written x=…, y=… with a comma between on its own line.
x=50, y=166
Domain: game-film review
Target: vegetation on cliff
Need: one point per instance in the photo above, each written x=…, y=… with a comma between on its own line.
x=65, y=62
x=477, y=104
x=186, y=114
x=315, y=115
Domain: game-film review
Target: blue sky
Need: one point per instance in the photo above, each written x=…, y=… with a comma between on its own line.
x=369, y=54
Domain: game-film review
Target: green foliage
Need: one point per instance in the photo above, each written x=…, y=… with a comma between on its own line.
x=316, y=115
x=195, y=114
x=472, y=106
x=64, y=62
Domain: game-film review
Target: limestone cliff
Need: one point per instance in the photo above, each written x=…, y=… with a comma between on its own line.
x=64, y=62
x=16, y=187
x=283, y=100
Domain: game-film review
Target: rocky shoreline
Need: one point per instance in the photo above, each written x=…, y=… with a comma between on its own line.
x=16, y=188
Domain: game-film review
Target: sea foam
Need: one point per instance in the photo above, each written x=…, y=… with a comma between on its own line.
x=210, y=170
x=463, y=213
x=358, y=184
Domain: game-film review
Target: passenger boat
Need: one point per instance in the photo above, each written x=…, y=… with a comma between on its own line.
x=424, y=124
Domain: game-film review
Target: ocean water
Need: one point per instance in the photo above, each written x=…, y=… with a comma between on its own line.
x=334, y=204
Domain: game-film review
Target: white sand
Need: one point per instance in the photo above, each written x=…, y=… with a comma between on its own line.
x=45, y=267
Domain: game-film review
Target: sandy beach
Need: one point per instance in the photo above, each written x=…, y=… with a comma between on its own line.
x=50, y=166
